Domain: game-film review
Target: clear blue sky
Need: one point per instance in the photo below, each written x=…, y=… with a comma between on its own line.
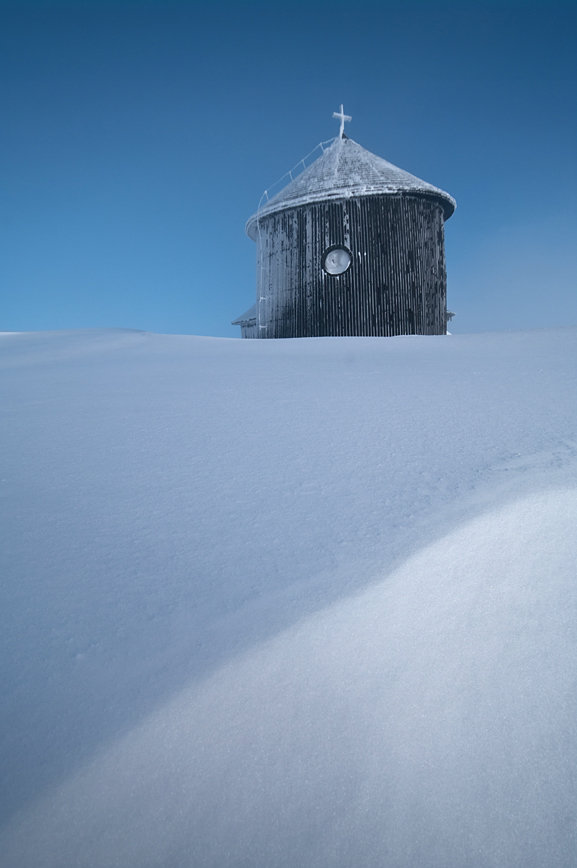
x=137, y=139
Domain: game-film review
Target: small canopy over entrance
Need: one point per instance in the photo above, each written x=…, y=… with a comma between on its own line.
x=247, y=323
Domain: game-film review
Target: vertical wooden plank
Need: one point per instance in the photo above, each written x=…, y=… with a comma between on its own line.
x=396, y=283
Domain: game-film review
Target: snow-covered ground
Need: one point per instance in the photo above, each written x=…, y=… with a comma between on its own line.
x=269, y=604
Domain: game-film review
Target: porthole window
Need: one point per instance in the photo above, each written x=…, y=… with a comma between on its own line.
x=336, y=260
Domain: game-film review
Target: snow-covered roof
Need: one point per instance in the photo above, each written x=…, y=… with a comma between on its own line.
x=245, y=318
x=345, y=169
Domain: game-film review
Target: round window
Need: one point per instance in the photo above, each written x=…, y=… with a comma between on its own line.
x=336, y=260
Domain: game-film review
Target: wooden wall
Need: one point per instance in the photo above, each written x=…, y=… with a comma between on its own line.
x=396, y=283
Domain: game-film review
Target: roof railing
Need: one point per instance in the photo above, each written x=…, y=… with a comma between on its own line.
x=293, y=173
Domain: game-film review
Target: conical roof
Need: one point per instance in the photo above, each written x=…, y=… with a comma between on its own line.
x=343, y=171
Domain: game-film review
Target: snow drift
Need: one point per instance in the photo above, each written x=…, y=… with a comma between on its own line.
x=290, y=602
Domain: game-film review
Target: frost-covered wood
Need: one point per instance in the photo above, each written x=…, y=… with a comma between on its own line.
x=396, y=283
x=392, y=225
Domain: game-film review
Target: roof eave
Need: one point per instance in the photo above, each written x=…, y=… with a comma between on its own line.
x=447, y=203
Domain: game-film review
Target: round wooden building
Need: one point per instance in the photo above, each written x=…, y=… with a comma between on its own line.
x=352, y=246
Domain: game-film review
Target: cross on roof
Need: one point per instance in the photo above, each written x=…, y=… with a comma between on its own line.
x=342, y=117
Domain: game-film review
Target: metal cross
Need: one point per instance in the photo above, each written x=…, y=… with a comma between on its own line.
x=342, y=117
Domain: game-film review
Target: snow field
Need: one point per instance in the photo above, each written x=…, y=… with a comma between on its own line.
x=295, y=602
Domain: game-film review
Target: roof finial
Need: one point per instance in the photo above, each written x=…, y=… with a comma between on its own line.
x=342, y=117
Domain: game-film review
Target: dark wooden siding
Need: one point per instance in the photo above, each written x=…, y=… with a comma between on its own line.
x=396, y=283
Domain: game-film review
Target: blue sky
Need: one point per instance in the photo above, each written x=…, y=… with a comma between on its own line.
x=138, y=137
